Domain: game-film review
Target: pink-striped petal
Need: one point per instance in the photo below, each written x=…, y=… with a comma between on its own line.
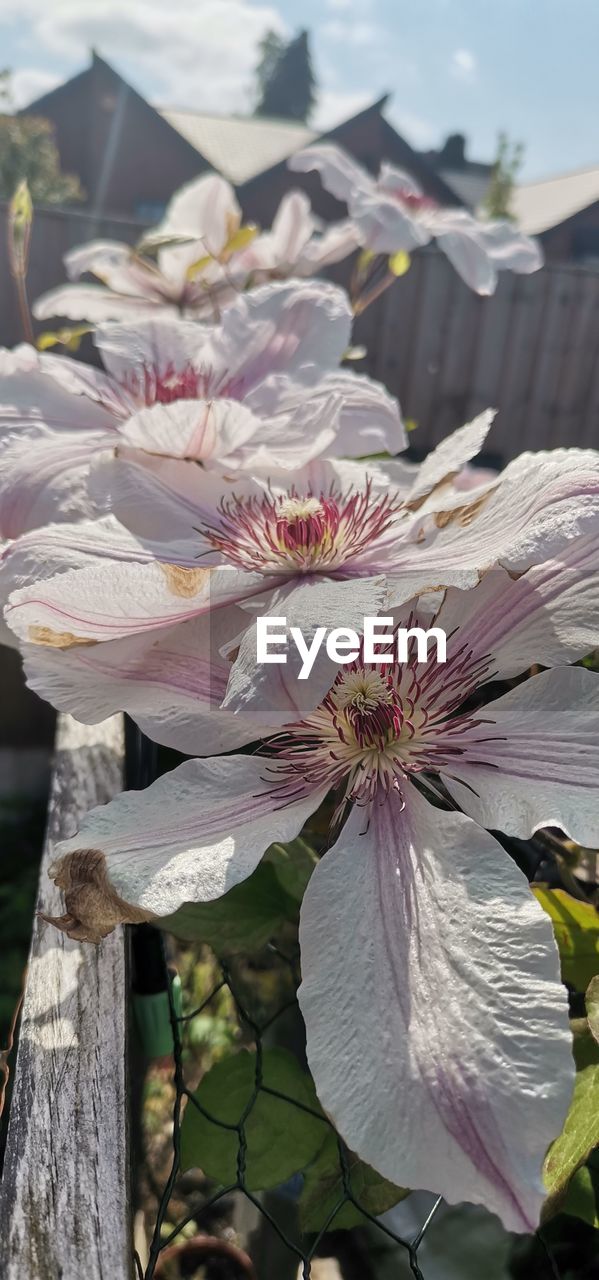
x=437, y=1025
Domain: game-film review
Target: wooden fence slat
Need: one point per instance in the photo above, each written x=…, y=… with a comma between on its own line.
x=64, y=1197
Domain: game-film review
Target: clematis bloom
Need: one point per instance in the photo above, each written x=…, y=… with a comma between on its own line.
x=340, y=542
x=262, y=390
x=391, y=214
x=204, y=259
x=436, y=1022
x=193, y=274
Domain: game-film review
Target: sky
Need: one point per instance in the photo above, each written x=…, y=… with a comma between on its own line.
x=528, y=67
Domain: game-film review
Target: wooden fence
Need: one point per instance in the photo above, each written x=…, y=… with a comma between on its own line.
x=64, y=1197
x=531, y=351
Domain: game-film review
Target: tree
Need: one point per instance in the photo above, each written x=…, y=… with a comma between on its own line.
x=285, y=78
x=270, y=49
x=497, y=202
x=28, y=153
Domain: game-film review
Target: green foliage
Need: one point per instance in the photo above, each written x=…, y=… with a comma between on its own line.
x=28, y=153
x=592, y=1004
x=580, y=1134
x=281, y=1138
x=293, y=865
x=582, y=1196
x=285, y=78
x=508, y=162
x=249, y=915
x=323, y=1190
x=576, y=927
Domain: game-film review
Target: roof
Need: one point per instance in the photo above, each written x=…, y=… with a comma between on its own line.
x=470, y=184
x=239, y=147
x=538, y=206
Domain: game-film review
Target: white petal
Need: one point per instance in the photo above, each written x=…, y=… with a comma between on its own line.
x=292, y=227
x=335, y=243
x=549, y=615
x=171, y=686
x=273, y=693
x=43, y=477
x=194, y=429
x=385, y=225
x=106, y=601
x=437, y=1025
x=189, y=837
x=136, y=354
x=451, y=455
x=206, y=209
x=542, y=502
x=95, y=303
x=339, y=172
x=470, y=259
x=533, y=761
x=370, y=419
x=300, y=329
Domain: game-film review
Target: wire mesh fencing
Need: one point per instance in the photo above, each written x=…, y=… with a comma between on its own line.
x=260, y=995
x=303, y=1246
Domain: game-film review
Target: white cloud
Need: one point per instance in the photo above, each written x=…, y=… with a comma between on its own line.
x=197, y=55
x=336, y=105
x=354, y=33
x=28, y=83
x=463, y=64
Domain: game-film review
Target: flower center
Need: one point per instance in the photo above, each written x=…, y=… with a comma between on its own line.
x=378, y=724
x=149, y=385
x=303, y=533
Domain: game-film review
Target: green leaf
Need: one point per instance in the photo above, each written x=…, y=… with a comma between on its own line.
x=580, y=1134
x=323, y=1189
x=576, y=928
x=293, y=865
x=281, y=1138
x=592, y=1004
x=582, y=1196
x=244, y=919
x=399, y=263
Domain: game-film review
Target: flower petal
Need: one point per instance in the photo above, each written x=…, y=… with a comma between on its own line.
x=43, y=477
x=437, y=1025
x=192, y=429
x=95, y=303
x=189, y=837
x=158, y=348
x=533, y=759
x=339, y=172
x=106, y=601
x=542, y=502
x=273, y=693
x=205, y=210
x=295, y=328
x=451, y=455
x=172, y=686
x=548, y=615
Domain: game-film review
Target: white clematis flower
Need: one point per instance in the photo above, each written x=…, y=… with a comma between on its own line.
x=204, y=259
x=391, y=214
x=263, y=390
x=193, y=274
x=436, y=1022
x=199, y=546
